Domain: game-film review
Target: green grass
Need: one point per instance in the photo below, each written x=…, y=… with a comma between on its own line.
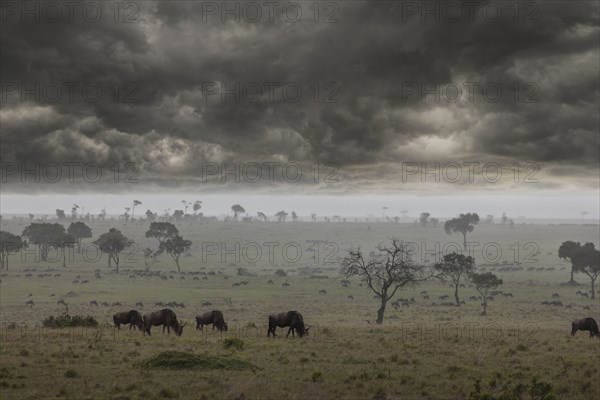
x=184, y=360
x=425, y=351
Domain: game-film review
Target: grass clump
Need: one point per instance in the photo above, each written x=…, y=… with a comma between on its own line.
x=317, y=377
x=67, y=321
x=71, y=373
x=183, y=360
x=233, y=343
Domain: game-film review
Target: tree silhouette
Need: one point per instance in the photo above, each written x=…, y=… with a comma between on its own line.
x=281, y=216
x=60, y=214
x=386, y=272
x=63, y=242
x=424, y=218
x=455, y=266
x=237, y=209
x=44, y=235
x=9, y=244
x=133, y=206
x=483, y=284
x=79, y=230
x=569, y=250
x=197, y=206
x=175, y=247
x=464, y=224
x=113, y=243
x=262, y=216
x=587, y=261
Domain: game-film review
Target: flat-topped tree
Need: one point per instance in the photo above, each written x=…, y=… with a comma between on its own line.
x=9, y=244
x=464, y=224
x=64, y=242
x=484, y=283
x=161, y=231
x=455, y=266
x=176, y=246
x=568, y=250
x=237, y=210
x=386, y=272
x=79, y=230
x=43, y=235
x=113, y=243
x=587, y=261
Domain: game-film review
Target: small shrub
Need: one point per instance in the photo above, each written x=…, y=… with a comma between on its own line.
x=317, y=377
x=67, y=321
x=70, y=373
x=233, y=342
x=167, y=393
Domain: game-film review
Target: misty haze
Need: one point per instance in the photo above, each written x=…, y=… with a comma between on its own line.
x=243, y=200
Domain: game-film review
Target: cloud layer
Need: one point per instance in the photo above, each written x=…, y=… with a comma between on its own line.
x=350, y=89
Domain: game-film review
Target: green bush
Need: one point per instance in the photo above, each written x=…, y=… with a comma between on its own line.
x=67, y=321
x=502, y=388
x=317, y=376
x=233, y=342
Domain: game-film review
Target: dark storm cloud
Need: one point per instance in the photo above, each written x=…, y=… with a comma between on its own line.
x=377, y=55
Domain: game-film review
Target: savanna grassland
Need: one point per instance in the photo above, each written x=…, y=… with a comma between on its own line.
x=428, y=350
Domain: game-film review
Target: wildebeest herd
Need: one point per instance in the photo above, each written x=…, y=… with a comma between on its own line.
x=168, y=320
x=292, y=320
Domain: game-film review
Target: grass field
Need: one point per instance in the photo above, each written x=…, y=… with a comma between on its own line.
x=430, y=350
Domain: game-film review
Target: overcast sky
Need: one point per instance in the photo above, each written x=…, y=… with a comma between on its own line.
x=343, y=92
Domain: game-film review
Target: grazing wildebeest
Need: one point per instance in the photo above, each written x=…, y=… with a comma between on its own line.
x=586, y=324
x=322, y=291
x=131, y=317
x=30, y=303
x=350, y=297
x=214, y=317
x=164, y=317
x=206, y=304
x=291, y=319
x=555, y=295
x=61, y=301
x=285, y=285
x=93, y=303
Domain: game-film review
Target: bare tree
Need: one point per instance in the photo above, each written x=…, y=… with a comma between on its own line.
x=386, y=272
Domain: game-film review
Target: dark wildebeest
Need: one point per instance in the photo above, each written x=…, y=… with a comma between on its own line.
x=214, y=317
x=586, y=324
x=164, y=317
x=131, y=317
x=291, y=319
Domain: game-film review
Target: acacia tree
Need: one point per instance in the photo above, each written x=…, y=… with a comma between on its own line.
x=262, y=216
x=134, y=204
x=9, y=244
x=79, y=230
x=176, y=246
x=455, y=266
x=424, y=218
x=113, y=243
x=386, y=272
x=281, y=216
x=237, y=210
x=483, y=284
x=197, y=206
x=568, y=250
x=64, y=242
x=160, y=231
x=464, y=224
x=44, y=236
x=587, y=261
